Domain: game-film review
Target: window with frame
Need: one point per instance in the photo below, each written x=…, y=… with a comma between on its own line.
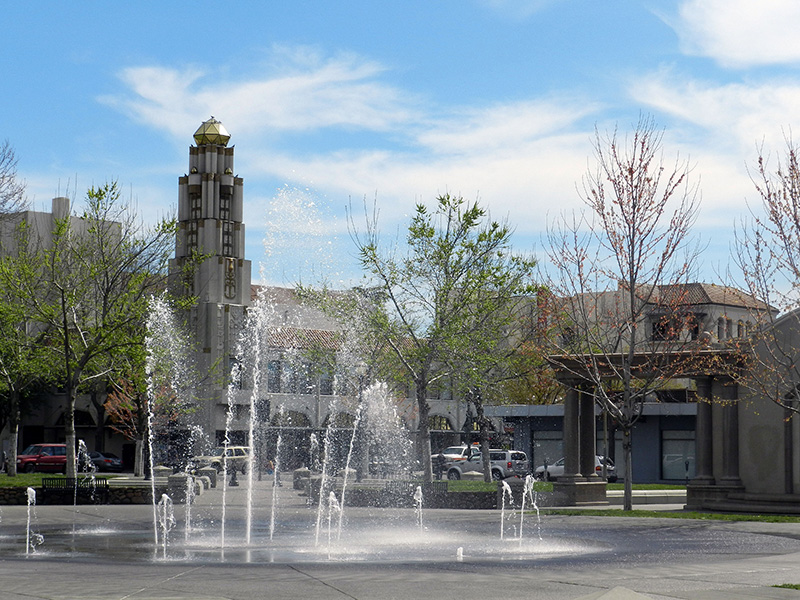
x=195, y=206
x=191, y=235
x=274, y=376
x=225, y=207
x=227, y=238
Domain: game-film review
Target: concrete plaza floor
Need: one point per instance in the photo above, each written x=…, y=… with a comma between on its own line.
x=109, y=552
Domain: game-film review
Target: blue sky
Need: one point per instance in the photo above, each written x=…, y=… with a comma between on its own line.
x=329, y=103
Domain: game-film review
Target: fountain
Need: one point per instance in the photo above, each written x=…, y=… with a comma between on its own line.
x=507, y=496
x=259, y=522
x=166, y=521
x=418, y=498
x=32, y=538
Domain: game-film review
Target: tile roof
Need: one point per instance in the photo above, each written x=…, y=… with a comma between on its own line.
x=296, y=337
x=709, y=293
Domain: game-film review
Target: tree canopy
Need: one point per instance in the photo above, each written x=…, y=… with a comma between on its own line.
x=446, y=301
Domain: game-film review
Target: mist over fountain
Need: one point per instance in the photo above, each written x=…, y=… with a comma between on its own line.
x=361, y=497
x=364, y=446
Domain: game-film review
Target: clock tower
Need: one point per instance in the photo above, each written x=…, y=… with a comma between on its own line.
x=209, y=263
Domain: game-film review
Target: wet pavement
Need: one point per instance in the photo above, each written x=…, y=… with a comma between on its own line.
x=110, y=552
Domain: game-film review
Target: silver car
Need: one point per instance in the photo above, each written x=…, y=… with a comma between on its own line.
x=504, y=463
x=236, y=458
x=551, y=472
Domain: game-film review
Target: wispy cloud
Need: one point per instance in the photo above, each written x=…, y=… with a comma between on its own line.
x=740, y=33
x=309, y=92
x=736, y=116
x=503, y=127
x=521, y=158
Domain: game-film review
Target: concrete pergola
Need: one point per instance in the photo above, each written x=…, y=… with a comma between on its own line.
x=716, y=426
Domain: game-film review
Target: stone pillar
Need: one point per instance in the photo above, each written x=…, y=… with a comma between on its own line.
x=730, y=435
x=703, y=435
x=571, y=434
x=588, y=432
x=788, y=450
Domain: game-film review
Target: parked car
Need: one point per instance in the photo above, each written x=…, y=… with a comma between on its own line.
x=106, y=461
x=550, y=472
x=454, y=453
x=503, y=463
x=43, y=457
x=237, y=459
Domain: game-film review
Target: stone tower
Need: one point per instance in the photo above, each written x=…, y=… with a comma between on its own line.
x=210, y=266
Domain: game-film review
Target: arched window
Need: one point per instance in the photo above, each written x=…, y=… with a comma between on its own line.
x=439, y=423
x=340, y=420
x=721, y=328
x=291, y=418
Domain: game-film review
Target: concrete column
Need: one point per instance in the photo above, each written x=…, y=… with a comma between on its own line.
x=788, y=451
x=571, y=434
x=588, y=432
x=703, y=435
x=730, y=435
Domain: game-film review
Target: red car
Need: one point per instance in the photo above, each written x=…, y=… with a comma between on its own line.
x=43, y=457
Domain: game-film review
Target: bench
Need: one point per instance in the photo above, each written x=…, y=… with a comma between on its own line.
x=82, y=490
x=435, y=487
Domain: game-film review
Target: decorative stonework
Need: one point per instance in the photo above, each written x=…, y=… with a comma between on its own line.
x=230, y=278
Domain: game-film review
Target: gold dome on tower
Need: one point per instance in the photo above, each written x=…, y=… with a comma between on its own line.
x=211, y=132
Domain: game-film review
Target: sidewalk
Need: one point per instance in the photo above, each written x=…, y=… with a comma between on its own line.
x=645, y=499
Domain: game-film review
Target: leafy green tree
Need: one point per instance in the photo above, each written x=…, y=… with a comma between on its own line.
x=24, y=367
x=89, y=287
x=444, y=304
x=26, y=362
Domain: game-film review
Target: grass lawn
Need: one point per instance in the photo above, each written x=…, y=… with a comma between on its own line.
x=678, y=514
x=645, y=486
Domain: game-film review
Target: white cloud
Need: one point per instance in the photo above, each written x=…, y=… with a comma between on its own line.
x=740, y=33
x=721, y=128
x=525, y=182
x=503, y=127
x=308, y=93
x=736, y=116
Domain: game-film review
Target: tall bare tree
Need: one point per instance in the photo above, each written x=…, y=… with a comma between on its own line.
x=768, y=257
x=617, y=276
x=12, y=189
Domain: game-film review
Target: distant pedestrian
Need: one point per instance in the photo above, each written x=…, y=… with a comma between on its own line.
x=438, y=465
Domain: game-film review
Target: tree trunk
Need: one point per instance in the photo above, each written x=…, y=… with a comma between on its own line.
x=13, y=428
x=627, y=448
x=424, y=433
x=138, y=462
x=69, y=431
x=483, y=424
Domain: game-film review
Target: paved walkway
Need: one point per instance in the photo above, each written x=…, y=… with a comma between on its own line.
x=108, y=552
